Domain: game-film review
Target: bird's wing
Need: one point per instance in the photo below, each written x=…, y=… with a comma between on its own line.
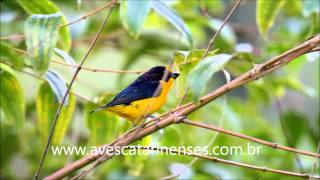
x=136, y=91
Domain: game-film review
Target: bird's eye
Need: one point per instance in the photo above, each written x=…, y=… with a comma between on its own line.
x=175, y=75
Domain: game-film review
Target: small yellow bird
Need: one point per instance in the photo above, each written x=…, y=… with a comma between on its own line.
x=144, y=96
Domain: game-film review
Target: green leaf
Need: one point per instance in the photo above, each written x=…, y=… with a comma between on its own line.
x=133, y=13
x=201, y=74
x=12, y=97
x=101, y=124
x=57, y=85
x=266, y=13
x=41, y=37
x=47, y=106
x=8, y=55
x=48, y=7
x=186, y=61
x=173, y=18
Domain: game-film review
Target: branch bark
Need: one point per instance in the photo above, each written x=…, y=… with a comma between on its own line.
x=175, y=116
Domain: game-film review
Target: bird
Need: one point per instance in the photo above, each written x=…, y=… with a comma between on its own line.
x=144, y=96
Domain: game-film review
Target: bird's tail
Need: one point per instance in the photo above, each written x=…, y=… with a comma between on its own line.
x=98, y=109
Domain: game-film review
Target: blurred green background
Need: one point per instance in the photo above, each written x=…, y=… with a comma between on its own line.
x=290, y=95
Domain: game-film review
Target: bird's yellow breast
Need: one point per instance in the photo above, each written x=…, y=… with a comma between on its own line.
x=138, y=110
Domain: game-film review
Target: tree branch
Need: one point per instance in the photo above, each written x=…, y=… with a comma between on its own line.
x=173, y=117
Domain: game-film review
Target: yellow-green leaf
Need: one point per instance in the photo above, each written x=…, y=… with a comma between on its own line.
x=266, y=13
x=41, y=37
x=48, y=7
x=47, y=104
x=12, y=97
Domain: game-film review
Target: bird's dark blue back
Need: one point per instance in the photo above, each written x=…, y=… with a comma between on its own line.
x=145, y=86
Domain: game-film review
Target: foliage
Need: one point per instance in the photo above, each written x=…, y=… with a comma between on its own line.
x=140, y=35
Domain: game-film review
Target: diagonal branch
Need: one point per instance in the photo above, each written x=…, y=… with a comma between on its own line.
x=173, y=117
x=67, y=92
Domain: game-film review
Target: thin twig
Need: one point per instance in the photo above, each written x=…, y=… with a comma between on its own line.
x=221, y=27
x=67, y=92
x=257, y=72
x=99, y=69
x=253, y=139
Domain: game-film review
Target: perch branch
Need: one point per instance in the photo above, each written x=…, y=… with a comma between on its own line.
x=173, y=117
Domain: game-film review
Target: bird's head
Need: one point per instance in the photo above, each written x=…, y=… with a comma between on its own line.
x=158, y=73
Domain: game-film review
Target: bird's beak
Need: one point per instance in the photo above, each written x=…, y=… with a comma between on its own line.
x=175, y=75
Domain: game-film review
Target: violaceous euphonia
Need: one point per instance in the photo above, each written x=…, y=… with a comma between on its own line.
x=144, y=96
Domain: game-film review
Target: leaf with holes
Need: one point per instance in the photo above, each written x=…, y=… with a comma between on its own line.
x=201, y=74
x=41, y=37
x=133, y=14
x=46, y=106
x=266, y=14
x=12, y=97
x=173, y=18
x=48, y=7
x=57, y=85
